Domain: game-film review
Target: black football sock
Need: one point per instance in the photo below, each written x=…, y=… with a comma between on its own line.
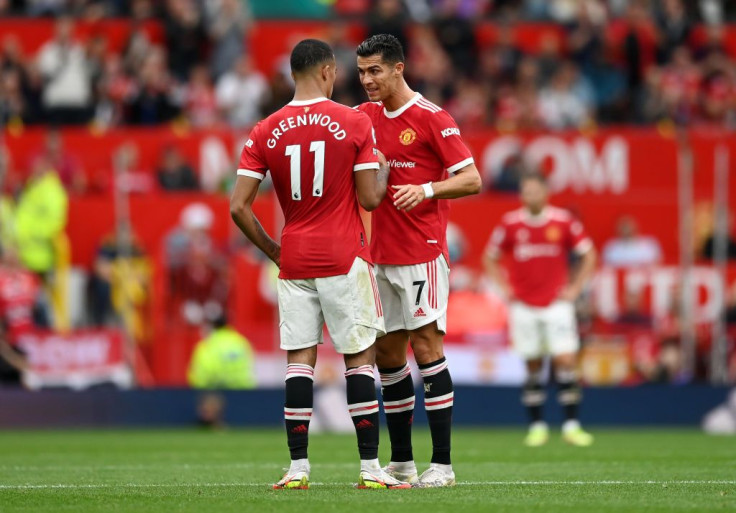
x=569, y=394
x=397, y=389
x=298, y=408
x=533, y=396
x=363, y=407
x=438, y=400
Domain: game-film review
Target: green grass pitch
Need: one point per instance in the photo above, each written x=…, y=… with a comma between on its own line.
x=231, y=471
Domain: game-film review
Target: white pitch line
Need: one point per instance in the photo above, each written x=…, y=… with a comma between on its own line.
x=183, y=466
x=250, y=485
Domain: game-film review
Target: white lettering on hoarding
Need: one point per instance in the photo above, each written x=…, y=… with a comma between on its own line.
x=61, y=353
x=660, y=286
x=578, y=164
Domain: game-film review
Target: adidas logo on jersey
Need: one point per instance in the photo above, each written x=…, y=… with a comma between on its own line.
x=419, y=313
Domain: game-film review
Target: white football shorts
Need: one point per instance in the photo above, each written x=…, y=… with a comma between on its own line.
x=539, y=331
x=348, y=303
x=414, y=295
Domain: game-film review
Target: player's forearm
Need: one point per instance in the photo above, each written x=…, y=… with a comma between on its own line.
x=493, y=271
x=14, y=359
x=371, y=186
x=382, y=181
x=464, y=183
x=248, y=223
x=585, y=271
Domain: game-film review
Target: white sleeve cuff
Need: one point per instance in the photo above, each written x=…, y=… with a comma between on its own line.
x=252, y=174
x=366, y=165
x=460, y=165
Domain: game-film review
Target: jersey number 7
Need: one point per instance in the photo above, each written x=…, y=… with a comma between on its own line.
x=294, y=152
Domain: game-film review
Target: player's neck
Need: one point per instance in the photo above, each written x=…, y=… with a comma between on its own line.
x=307, y=91
x=536, y=211
x=399, y=98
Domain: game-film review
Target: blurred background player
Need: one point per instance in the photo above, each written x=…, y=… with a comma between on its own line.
x=18, y=293
x=325, y=275
x=430, y=164
x=538, y=239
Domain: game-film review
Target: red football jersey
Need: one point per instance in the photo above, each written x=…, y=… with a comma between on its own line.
x=311, y=149
x=422, y=144
x=538, y=248
x=18, y=290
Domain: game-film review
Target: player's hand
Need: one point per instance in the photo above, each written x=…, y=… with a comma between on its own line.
x=569, y=294
x=407, y=197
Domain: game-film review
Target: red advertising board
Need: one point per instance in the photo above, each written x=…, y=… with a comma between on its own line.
x=599, y=176
x=75, y=360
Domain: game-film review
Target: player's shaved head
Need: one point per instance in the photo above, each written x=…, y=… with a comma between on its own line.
x=385, y=45
x=310, y=53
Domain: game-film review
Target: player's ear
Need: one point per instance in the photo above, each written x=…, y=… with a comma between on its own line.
x=399, y=68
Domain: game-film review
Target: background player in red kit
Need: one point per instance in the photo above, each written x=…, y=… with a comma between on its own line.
x=18, y=291
x=319, y=155
x=429, y=165
x=538, y=239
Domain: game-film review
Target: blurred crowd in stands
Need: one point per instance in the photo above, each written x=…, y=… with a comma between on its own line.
x=633, y=61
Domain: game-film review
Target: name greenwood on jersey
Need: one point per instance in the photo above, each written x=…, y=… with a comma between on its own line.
x=312, y=148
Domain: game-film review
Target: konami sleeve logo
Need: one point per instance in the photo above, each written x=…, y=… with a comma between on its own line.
x=407, y=136
x=447, y=132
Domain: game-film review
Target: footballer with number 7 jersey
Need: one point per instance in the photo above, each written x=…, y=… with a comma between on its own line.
x=323, y=161
x=430, y=164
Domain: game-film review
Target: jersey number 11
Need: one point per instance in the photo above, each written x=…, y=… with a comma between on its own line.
x=294, y=151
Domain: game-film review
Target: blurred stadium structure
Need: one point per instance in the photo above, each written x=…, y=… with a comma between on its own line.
x=139, y=109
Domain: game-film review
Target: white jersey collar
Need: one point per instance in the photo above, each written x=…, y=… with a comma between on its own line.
x=535, y=220
x=302, y=103
x=398, y=112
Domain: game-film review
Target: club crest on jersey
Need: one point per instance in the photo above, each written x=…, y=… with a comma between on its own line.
x=407, y=136
x=553, y=233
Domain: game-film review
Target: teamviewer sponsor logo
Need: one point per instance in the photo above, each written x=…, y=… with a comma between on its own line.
x=397, y=164
x=447, y=132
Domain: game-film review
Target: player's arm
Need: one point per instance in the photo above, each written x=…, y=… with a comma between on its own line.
x=494, y=270
x=7, y=353
x=498, y=242
x=582, y=274
x=241, y=210
x=464, y=182
x=371, y=184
